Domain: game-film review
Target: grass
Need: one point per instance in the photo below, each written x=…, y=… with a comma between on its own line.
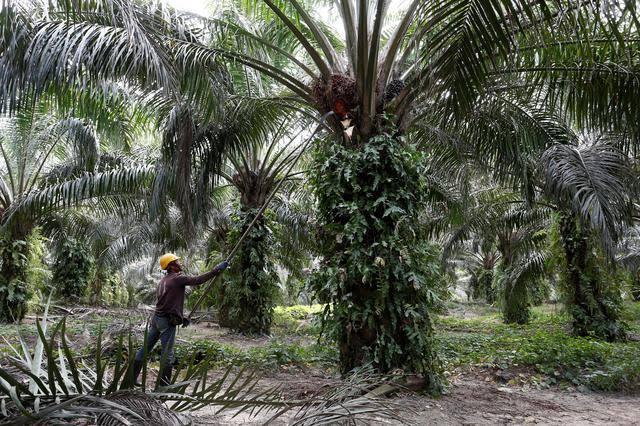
x=544, y=346
x=298, y=319
x=288, y=321
x=273, y=355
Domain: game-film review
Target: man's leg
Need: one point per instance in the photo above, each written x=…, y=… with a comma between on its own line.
x=167, y=339
x=153, y=335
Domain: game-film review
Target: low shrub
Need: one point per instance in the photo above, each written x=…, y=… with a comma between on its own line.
x=275, y=354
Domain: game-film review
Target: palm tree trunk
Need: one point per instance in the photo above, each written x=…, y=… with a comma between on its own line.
x=594, y=307
x=515, y=296
x=377, y=276
x=515, y=308
x=245, y=303
x=485, y=284
x=14, y=289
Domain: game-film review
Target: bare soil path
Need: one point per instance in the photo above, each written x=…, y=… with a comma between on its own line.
x=471, y=400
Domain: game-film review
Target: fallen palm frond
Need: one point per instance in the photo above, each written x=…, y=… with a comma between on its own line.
x=355, y=401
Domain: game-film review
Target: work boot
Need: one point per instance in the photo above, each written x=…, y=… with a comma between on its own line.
x=164, y=379
x=137, y=368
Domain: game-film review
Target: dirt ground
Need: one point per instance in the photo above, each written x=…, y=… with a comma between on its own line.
x=474, y=401
x=473, y=397
x=470, y=400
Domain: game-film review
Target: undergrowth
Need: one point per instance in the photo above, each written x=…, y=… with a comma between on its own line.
x=544, y=350
x=544, y=345
x=275, y=354
x=298, y=320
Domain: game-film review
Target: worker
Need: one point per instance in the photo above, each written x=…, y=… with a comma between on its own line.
x=169, y=313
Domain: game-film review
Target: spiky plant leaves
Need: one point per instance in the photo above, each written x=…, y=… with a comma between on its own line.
x=142, y=408
x=67, y=388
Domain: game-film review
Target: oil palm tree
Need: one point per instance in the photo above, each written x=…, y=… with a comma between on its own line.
x=50, y=164
x=480, y=258
x=522, y=242
x=246, y=301
x=507, y=239
x=435, y=69
x=587, y=180
x=593, y=188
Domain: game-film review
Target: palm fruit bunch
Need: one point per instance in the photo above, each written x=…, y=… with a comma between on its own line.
x=339, y=94
x=393, y=89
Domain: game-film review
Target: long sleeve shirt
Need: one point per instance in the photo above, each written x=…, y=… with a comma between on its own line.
x=171, y=289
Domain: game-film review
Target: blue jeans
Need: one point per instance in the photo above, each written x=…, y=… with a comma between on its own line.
x=160, y=329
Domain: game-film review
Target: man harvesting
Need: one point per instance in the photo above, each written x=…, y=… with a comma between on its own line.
x=168, y=313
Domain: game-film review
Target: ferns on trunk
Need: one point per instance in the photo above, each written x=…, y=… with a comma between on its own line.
x=378, y=276
x=592, y=299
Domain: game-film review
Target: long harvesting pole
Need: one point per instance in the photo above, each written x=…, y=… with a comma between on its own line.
x=236, y=247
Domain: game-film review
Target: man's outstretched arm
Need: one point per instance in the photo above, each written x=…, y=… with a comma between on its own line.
x=199, y=279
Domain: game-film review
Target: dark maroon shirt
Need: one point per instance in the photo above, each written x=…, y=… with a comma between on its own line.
x=170, y=293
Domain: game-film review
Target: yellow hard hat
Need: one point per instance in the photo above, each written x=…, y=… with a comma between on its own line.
x=166, y=259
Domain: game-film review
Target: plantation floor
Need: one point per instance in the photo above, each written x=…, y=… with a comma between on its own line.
x=497, y=373
x=473, y=401
x=470, y=400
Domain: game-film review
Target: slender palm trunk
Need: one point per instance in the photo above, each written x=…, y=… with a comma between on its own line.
x=594, y=307
x=485, y=285
x=515, y=295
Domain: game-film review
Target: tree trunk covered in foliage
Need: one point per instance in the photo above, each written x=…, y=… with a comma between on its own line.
x=377, y=276
x=246, y=300
x=594, y=306
x=515, y=296
x=635, y=286
x=14, y=288
x=515, y=308
x=72, y=270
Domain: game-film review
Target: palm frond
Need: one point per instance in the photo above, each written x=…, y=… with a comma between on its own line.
x=74, y=191
x=594, y=182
